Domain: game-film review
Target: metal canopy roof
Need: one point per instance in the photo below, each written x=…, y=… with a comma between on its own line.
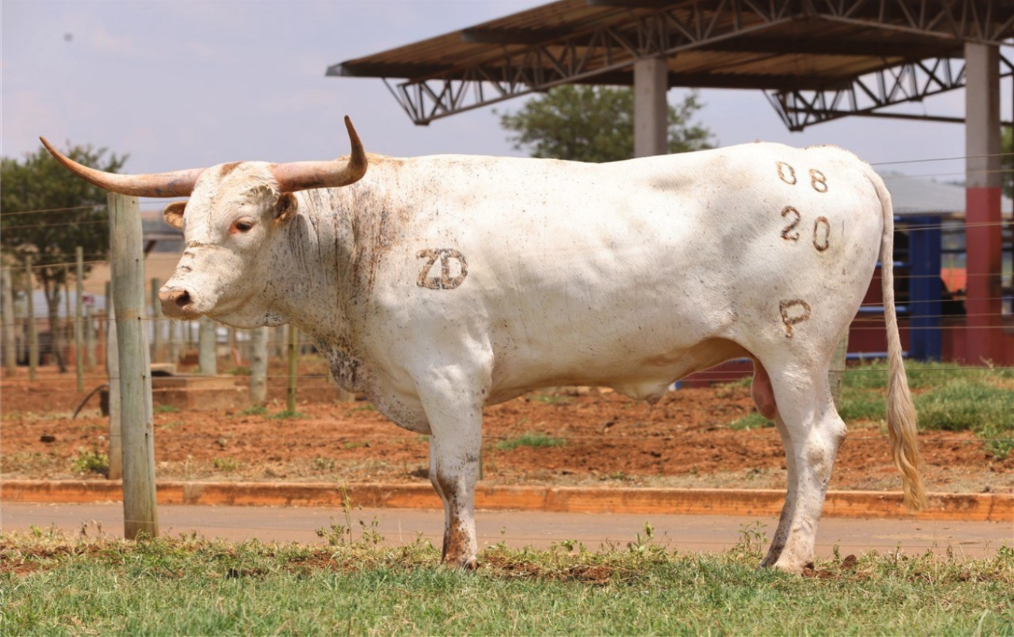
x=811, y=55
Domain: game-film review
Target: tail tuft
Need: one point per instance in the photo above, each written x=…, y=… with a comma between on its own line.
x=901, y=417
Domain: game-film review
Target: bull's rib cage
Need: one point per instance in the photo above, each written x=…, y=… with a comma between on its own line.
x=909, y=56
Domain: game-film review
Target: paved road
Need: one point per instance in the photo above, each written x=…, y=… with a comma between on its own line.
x=517, y=529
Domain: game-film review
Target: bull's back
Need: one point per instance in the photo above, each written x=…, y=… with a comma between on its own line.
x=579, y=271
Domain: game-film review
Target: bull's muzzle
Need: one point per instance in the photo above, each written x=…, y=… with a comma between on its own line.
x=176, y=303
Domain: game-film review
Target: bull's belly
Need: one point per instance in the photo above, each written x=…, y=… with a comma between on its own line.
x=643, y=374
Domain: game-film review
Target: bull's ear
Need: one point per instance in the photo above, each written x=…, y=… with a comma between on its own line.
x=173, y=214
x=286, y=207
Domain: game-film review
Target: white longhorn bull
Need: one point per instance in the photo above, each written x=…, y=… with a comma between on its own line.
x=439, y=285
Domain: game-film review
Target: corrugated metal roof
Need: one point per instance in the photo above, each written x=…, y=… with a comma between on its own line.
x=781, y=46
x=915, y=196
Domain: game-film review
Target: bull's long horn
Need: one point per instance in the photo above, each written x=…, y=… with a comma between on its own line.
x=304, y=175
x=174, y=184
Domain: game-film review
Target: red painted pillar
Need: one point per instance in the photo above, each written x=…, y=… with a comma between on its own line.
x=984, y=337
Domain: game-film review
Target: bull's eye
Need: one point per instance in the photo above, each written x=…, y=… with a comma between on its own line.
x=243, y=225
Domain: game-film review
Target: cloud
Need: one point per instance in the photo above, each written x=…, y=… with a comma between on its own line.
x=26, y=114
x=97, y=38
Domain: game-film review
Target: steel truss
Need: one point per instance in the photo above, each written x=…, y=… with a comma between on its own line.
x=666, y=30
x=866, y=95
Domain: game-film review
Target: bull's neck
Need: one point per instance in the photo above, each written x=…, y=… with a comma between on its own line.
x=318, y=268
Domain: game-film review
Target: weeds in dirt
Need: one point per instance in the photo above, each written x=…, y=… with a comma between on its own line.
x=255, y=410
x=552, y=399
x=753, y=420
x=337, y=534
x=90, y=461
x=166, y=409
x=323, y=464
x=286, y=415
x=356, y=444
x=752, y=540
x=239, y=371
x=531, y=439
x=190, y=585
x=225, y=465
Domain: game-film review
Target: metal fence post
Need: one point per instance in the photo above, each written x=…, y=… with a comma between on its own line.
x=207, y=344
x=156, y=322
x=290, y=394
x=79, y=318
x=259, y=367
x=33, y=329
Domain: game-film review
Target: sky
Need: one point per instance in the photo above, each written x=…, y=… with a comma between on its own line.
x=193, y=83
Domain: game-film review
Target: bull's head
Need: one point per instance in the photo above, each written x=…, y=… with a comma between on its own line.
x=234, y=214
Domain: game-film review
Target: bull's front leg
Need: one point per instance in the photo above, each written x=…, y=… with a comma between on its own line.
x=453, y=407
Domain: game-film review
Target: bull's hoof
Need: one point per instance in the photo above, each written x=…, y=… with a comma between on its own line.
x=469, y=564
x=795, y=567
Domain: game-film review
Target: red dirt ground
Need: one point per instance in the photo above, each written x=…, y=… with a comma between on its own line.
x=605, y=438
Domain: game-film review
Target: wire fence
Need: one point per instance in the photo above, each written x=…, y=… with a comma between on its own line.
x=861, y=323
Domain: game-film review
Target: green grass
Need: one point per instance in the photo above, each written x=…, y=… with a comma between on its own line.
x=198, y=587
x=534, y=440
x=971, y=405
x=921, y=375
x=255, y=410
x=948, y=397
x=166, y=409
x=863, y=404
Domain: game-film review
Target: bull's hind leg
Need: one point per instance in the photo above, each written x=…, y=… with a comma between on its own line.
x=812, y=432
x=789, y=508
x=764, y=397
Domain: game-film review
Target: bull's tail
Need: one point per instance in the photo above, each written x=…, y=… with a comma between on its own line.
x=901, y=417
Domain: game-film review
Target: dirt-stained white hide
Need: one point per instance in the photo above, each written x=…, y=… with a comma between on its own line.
x=439, y=285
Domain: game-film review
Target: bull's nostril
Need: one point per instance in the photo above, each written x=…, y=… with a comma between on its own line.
x=182, y=299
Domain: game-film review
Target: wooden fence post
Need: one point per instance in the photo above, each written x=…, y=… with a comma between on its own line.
x=113, y=374
x=79, y=318
x=7, y=294
x=140, y=513
x=33, y=329
x=207, y=356
x=259, y=366
x=156, y=322
x=290, y=394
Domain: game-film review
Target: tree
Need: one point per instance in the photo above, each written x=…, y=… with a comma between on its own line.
x=595, y=124
x=73, y=215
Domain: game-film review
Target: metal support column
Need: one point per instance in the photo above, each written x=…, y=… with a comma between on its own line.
x=651, y=128
x=982, y=204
